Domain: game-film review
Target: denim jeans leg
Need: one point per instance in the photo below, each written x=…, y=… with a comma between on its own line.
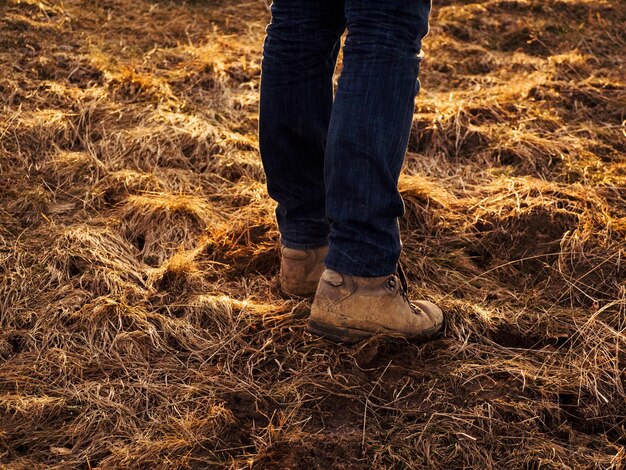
x=299, y=58
x=368, y=133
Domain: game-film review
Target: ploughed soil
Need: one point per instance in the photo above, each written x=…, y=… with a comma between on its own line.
x=141, y=324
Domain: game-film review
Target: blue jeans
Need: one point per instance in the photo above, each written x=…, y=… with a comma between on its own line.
x=333, y=166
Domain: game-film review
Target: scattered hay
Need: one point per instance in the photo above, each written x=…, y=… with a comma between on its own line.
x=159, y=224
x=95, y=258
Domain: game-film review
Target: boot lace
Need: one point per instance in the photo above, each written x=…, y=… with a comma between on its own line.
x=404, y=286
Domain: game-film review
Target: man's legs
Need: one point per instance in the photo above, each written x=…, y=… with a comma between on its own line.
x=368, y=134
x=359, y=154
x=296, y=101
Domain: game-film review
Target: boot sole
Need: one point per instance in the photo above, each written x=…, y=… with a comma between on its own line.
x=339, y=334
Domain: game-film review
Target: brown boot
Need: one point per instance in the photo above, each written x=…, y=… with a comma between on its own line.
x=349, y=308
x=300, y=270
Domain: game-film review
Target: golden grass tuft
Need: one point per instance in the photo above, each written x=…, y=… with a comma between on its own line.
x=144, y=217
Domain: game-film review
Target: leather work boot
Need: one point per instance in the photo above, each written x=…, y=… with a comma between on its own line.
x=300, y=270
x=348, y=309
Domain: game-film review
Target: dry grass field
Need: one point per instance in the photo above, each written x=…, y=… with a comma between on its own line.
x=141, y=323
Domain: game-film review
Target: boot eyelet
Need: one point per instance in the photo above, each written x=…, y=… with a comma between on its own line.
x=391, y=284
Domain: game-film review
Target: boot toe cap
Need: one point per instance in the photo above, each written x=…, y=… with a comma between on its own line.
x=434, y=314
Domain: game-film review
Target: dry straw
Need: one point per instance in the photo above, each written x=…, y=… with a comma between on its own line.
x=141, y=325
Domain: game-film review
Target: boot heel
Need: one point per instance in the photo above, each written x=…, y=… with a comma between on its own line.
x=337, y=333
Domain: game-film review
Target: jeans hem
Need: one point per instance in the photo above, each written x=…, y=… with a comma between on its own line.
x=303, y=246
x=352, y=270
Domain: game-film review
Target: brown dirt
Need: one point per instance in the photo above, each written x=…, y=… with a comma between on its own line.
x=141, y=325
